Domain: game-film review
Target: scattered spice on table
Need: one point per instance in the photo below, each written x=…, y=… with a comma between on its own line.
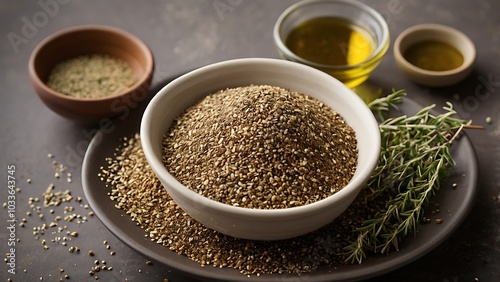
x=262, y=147
x=91, y=76
x=52, y=218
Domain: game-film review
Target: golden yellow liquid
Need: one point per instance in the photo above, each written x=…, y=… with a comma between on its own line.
x=334, y=41
x=330, y=41
x=434, y=56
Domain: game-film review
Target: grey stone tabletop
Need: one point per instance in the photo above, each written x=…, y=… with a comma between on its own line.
x=187, y=34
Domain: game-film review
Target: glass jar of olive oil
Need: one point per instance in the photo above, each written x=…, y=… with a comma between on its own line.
x=343, y=38
x=330, y=41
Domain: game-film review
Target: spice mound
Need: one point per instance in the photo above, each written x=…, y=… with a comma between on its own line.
x=91, y=76
x=137, y=192
x=261, y=147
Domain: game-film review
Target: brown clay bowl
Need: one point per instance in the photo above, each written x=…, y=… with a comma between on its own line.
x=84, y=40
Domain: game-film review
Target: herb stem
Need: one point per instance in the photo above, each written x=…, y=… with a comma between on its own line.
x=414, y=158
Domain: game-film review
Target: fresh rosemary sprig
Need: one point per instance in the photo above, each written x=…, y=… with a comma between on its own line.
x=414, y=157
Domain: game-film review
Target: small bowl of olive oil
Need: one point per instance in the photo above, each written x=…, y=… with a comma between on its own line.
x=344, y=38
x=434, y=55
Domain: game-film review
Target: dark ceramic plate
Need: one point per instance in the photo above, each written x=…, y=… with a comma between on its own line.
x=454, y=205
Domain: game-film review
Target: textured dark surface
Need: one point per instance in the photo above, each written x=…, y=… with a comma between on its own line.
x=184, y=35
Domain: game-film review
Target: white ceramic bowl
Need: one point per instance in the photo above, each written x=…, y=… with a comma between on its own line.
x=259, y=224
x=441, y=33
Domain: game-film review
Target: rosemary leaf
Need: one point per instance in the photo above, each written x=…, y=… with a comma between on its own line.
x=413, y=161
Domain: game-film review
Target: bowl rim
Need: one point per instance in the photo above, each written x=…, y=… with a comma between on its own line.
x=158, y=167
x=381, y=49
x=435, y=29
x=92, y=28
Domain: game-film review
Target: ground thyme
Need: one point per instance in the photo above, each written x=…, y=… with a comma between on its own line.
x=262, y=147
x=91, y=76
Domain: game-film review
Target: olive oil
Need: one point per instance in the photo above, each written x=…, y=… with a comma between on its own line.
x=434, y=56
x=330, y=41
